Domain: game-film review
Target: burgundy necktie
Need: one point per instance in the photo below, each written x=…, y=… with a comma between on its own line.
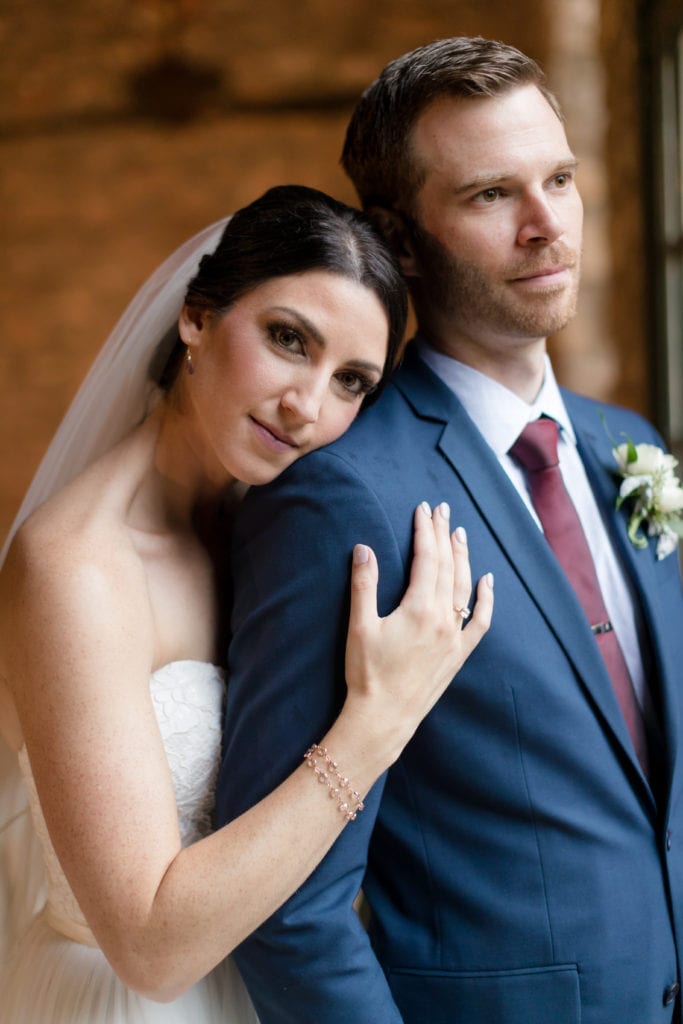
x=536, y=450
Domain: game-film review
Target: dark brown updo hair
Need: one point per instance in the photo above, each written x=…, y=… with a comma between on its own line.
x=292, y=229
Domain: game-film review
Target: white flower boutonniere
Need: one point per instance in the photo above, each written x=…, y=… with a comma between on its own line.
x=649, y=482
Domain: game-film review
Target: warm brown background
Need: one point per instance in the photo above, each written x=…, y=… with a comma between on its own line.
x=126, y=125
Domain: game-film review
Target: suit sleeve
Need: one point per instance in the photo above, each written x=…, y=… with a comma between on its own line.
x=292, y=554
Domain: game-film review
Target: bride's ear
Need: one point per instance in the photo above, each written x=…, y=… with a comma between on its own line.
x=192, y=324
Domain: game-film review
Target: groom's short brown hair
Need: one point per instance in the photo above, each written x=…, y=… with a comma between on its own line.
x=377, y=153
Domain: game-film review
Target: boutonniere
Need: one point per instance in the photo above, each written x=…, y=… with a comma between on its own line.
x=653, y=492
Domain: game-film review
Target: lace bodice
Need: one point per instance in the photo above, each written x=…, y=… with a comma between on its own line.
x=188, y=701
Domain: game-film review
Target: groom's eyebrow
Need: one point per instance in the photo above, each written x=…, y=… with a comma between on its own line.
x=493, y=179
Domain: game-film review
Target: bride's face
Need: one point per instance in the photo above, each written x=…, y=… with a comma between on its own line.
x=282, y=372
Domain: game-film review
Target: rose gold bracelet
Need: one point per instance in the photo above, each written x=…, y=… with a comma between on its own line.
x=338, y=785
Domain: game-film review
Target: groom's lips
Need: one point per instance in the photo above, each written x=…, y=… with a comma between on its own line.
x=552, y=267
x=556, y=273
x=543, y=272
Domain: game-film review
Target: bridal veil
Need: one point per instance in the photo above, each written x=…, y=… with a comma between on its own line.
x=114, y=397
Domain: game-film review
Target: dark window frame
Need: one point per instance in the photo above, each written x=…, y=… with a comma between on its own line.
x=661, y=35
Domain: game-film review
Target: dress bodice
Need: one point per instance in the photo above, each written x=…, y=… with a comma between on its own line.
x=188, y=702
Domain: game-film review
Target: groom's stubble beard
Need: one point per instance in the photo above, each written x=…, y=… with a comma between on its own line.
x=459, y=291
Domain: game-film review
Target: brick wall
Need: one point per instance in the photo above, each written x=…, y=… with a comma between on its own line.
x=126, y=125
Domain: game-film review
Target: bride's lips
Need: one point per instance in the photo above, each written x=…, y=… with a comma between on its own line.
x=274, y=439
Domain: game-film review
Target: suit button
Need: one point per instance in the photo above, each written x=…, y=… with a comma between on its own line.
x=668, y=839
x=670, y=993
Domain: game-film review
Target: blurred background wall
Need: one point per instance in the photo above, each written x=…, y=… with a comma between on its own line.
x=126, y=125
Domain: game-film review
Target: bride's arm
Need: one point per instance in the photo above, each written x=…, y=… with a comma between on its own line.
x=80, y=653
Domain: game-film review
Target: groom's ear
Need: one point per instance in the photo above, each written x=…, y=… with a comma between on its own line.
x=396, y=230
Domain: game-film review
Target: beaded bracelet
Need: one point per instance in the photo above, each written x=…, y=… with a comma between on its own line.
x=339, y=792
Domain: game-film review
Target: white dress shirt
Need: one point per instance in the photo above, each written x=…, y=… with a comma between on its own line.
x=501, y=415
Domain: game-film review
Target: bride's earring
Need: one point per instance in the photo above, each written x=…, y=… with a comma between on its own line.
x=188, y=359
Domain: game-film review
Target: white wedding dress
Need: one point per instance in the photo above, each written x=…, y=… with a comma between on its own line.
x=55, y=973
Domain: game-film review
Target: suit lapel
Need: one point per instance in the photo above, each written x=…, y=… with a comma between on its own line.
x=639, y=564
x=519, y=538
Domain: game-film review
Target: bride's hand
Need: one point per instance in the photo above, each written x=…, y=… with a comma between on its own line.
x=397, y=667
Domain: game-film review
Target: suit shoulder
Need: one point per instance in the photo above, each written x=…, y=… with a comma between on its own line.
x=613, y=420
x=353, y=457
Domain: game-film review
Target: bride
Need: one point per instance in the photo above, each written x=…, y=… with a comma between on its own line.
x=114, y=599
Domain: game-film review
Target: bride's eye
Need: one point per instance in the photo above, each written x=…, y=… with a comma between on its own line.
x=356, y=384
x=287, y=337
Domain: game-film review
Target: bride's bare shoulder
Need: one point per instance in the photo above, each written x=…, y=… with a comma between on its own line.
x=75, y=524
x=75, y=569
x=75, y=543
x=72, y=582
x=85, y=521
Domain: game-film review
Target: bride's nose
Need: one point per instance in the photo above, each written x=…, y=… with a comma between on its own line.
x=304, y=400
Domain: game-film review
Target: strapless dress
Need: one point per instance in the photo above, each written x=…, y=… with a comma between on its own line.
x=55, y=973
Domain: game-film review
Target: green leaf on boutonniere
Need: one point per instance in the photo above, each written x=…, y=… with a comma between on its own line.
x=634, y=534
x=632, y=454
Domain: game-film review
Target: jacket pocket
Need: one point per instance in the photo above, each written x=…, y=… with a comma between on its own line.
x=534, y=995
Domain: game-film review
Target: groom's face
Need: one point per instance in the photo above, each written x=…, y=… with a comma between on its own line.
x=499, y=219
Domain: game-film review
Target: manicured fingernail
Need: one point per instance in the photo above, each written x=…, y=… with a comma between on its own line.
x=425, y=508
x=489, y=579
x=360, y=554
x=445, y=509
x=461, y=534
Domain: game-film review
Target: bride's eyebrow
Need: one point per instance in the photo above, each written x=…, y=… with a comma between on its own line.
x=302, y=321
x=312, y=331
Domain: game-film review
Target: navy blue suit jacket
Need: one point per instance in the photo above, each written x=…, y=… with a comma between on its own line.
x=516, y=864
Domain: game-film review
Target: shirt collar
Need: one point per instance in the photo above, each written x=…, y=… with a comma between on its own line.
x=499, y=413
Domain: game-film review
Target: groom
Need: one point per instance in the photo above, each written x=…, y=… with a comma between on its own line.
x=523, y=860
